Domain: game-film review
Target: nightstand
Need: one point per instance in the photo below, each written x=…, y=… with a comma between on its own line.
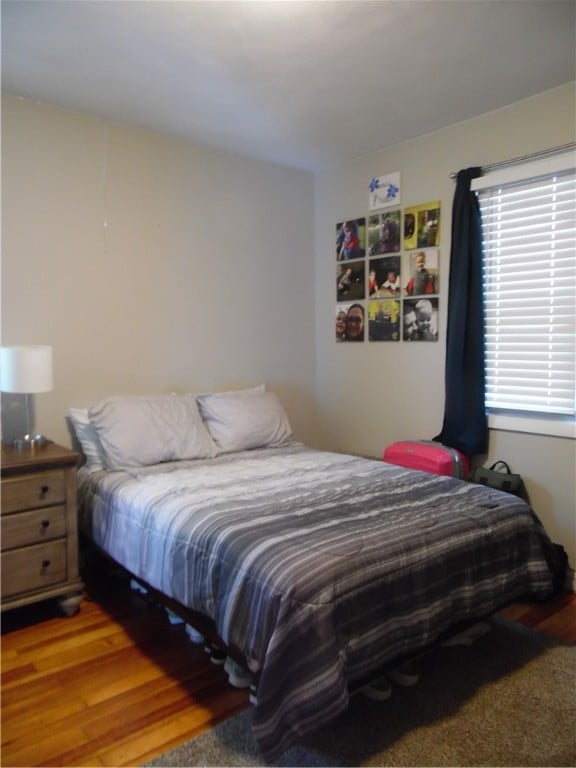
x=39, y=527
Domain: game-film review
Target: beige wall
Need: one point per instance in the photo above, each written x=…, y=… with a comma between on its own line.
x=374, y=393
x=152, y=265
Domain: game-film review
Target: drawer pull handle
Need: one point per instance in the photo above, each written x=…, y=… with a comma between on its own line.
x=44, y=490
x=45, y=524
x=45, y=564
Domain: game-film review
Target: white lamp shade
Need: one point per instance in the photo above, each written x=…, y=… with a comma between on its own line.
x=26, y=369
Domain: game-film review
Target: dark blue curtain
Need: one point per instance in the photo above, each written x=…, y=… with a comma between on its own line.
x=465, y=424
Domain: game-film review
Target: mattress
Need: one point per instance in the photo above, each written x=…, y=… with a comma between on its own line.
x=319, y=567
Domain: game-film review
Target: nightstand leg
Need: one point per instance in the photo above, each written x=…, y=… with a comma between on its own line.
x=70, y=604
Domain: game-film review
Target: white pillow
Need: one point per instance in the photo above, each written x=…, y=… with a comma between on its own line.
x=148, y=429
x=241, y=421
x=88, y=439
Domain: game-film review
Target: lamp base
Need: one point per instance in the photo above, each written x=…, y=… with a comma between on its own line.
x=29, y=441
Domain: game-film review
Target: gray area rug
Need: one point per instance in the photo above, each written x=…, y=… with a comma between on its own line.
x=509, y=699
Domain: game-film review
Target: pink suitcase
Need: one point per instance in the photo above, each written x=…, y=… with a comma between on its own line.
x=428, y=456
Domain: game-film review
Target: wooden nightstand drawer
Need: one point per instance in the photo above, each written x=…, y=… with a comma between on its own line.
x=32, y=568
x=39, y=527
x=38, y=489
x=33, y=527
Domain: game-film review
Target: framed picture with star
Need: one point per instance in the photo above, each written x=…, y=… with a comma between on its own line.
x=384, y=191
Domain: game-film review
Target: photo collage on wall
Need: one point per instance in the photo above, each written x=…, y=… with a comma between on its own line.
x=388, y=270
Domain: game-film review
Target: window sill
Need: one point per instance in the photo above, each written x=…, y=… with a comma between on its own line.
x=533, y=424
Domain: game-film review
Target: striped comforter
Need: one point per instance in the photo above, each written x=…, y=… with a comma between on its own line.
x=319, y=567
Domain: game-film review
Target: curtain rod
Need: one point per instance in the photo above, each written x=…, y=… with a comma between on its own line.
x=523, y=158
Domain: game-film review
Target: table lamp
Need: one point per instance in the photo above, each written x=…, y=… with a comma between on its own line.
x=26, y=370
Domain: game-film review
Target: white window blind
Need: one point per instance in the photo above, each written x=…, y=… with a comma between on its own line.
x=529, y=234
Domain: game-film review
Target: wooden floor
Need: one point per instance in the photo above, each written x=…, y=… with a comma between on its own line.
x=117, y=684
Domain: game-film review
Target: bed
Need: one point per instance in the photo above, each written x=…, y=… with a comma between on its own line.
x=318, y=568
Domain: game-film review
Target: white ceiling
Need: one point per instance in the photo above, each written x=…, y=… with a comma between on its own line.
x=309, y=84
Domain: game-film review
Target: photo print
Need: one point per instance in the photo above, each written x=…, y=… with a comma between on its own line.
x=384, y=233
x=350, y=322
x=351, y=239
x=350, y=281
x=420, y=319
x=384, y=191
x=384, y=277
x=384, y=320
x=422, y=226
x=373, y=231
x=422, y=271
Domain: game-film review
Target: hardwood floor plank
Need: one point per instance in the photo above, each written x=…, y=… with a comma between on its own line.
x=172, y=731
x=54, y=657
x=16, y=697
x=552, y=617
x=47, y=717
x=561, y=625
x=39, y=751
x=152, y=703
x=44, y=728
x=168, y=703
x=113, y=747
x=16, y=673
x=514, y=612
x=50, y=630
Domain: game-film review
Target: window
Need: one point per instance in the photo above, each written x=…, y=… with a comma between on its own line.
x=529, y=233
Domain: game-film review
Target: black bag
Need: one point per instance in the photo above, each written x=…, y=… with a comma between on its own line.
x=557, y=560
x=502, y=479
x=505, y=480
